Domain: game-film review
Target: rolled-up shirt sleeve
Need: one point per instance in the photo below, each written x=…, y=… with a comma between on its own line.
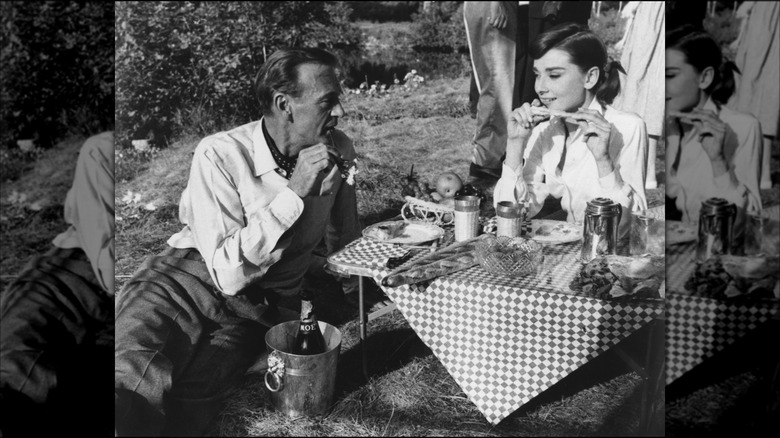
x=236, y=243
x=93, y=201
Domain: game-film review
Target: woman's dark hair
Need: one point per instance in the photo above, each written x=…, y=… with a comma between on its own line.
x=701, y=51
x=279, y=73
x=586, y=50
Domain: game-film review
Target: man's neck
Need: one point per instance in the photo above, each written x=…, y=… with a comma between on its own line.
x=278, y=131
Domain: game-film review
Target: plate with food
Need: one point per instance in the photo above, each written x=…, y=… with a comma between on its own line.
x=728, y=276
x=680, y=232
x=615, y=277
x=403, y=233
x=554, y=232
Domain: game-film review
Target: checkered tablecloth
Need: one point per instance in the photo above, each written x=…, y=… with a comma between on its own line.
x=505, y=340
x=698, y=327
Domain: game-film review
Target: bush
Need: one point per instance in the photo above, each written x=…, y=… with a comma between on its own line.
x=183, y=65
x=724, y=28
x=609, y=26
x=383, y=11
x=57, y=70
x=440, y=29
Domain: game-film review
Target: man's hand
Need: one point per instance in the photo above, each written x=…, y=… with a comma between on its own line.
x=314, y=164
x=498, y=15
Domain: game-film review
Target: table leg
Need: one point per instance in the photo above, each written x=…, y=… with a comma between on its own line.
x=362, y=327
x=654, y=374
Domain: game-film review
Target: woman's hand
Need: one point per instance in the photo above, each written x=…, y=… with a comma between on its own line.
x=596, y=130
x=710, y=129
x=519, y=127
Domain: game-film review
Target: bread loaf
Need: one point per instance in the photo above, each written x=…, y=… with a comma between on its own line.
x=451, y=259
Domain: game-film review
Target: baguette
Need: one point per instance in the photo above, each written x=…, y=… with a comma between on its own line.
x=451, y=259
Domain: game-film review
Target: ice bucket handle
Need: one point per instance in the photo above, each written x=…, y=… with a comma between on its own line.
x=275, y=372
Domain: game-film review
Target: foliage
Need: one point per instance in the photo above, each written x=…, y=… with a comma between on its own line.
x=182, y=64
x=440, y=28
x=383, y=11
x=724, y=28
x=57, y=70
x=609, y=26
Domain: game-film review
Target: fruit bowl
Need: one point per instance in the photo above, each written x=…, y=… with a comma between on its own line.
x=418, y=210
x=509, y=256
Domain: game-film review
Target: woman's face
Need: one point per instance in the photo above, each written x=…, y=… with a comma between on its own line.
x=683, y=82
x=560, y=84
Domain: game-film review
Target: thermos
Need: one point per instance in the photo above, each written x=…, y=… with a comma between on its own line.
x=600, y=228
x=716, y=228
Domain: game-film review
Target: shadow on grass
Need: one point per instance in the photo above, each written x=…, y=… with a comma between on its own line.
x=729, y=392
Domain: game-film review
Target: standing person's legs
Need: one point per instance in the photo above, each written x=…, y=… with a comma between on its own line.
x=473, y=96
x=56, y=337
x=652, y=144
x=180, y=347
x=493, y=62
x=766, y=159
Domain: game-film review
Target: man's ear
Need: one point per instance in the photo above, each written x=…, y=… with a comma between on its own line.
x=591, y=78
x=282, y=105
x=706, y=77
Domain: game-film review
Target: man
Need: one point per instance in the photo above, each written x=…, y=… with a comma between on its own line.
x=491, y=31
x=57, y=317
x=259, y=200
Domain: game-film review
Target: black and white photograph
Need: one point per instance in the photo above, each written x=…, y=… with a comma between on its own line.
x=389, y=218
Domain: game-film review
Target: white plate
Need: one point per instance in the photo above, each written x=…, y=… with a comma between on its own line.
x=554, y=232
x=680, y=232
x=403, y=233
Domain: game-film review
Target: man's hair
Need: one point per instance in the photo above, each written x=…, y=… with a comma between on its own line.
x=279, y=73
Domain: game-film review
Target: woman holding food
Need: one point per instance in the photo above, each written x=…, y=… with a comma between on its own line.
x=711, y=150
x=570, y=143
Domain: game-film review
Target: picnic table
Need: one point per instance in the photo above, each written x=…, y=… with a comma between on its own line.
x=699, y=327
x=503, y=340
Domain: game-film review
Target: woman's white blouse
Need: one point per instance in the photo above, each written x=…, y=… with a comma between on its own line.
x=579, y=182
x=693, y=181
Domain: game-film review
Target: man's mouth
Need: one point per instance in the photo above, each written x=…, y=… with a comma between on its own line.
x=546, y=101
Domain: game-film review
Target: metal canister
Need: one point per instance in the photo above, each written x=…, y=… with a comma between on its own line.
x=509, y=218
x=716, y=227
x=466, y=217
x=600, y=228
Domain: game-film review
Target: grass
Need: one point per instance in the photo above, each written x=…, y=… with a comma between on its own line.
x=33, y=189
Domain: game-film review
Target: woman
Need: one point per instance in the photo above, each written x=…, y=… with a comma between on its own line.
x=576, y=147
x=711, y=150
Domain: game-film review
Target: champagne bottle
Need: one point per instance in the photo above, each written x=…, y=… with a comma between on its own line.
x=309, y=339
